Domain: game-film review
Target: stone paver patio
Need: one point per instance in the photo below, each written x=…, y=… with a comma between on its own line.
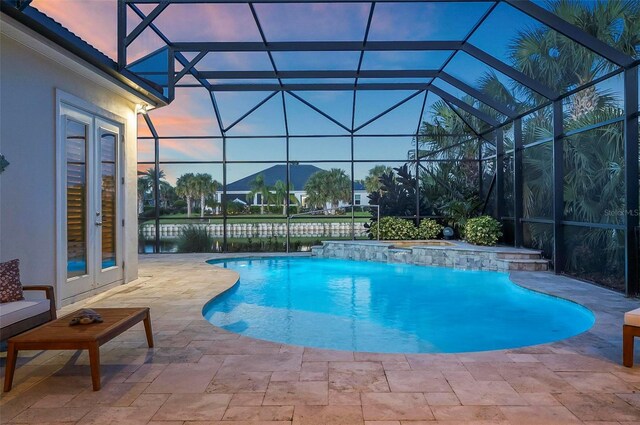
x=199, y=374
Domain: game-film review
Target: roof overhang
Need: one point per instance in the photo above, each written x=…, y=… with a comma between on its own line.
x=59, y=44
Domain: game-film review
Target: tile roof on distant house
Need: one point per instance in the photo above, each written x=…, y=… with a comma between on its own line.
x=298, y=176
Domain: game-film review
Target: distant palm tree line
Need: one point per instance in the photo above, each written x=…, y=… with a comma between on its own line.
x=323, y=188
x=196, y=189
x=193, y=186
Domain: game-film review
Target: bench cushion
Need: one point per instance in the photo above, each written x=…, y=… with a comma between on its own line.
x=10, y=287
x=16, y=311
x=632, y=317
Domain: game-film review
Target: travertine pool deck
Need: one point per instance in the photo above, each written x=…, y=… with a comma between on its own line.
x=199, y=374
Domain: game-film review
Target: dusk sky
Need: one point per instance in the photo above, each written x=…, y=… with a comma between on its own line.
x=191, y=113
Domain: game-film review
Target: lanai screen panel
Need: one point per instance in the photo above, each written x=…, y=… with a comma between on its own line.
x=525, y=107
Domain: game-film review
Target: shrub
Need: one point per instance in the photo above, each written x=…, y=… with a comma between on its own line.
x=259, y=245
x=393, y=228
x=195, y=239
x=235, y=208
x=457, y=212
x=179, y=206
x=148, y=212
x=483, y=230
x=429, y=229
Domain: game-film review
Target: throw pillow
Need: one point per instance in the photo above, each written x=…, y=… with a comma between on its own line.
x=10, y=286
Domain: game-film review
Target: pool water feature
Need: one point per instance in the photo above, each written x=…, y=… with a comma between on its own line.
x=388, y=308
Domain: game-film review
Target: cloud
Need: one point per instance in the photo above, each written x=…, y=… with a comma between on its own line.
x=409, y=59
x=146, y=150
x=95, y=21
x=190, y=114
x=425, y=21
x=235, y=61
x=181, y=125
x=315, y=21
x=180, y=149
x=234, y=105
x=191, y=150
x=208, y=22
x=245, y=129
x=147, y=42
x=415, y=21
x=292, y=61
x=143, y=128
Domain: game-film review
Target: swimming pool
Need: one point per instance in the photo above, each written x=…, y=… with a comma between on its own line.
x=382, y=307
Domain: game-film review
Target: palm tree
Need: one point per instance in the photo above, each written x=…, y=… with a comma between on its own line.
x=281, y=193
x=200, y=185
x=439, y=144
x=331, y=186
x=167, y=194
x=560, y=63
x=537, y=188
x=186, y=187
x=259, y=187
x=215, y=187
x=146, y=181
x=314, y=188
x=372, y=181
x=143, y=188
x=150, y=174
x=338, y=187
x=204, y=186
x=450, y=179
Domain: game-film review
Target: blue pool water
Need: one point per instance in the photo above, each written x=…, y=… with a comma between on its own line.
x=380, y=307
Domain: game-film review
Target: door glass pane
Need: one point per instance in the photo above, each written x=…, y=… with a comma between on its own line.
x=108, y=200
x=76, y=144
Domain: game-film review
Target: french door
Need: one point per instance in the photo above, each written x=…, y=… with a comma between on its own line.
x=92, y=201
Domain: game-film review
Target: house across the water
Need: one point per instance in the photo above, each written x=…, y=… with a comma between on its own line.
x=298, y=176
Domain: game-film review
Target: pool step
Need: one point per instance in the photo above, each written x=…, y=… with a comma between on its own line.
x=526, y=255
x=530, y=265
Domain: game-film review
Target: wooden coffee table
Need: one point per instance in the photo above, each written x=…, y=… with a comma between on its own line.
x=58, y=335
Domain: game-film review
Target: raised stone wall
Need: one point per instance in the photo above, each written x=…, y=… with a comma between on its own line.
x=458, y=255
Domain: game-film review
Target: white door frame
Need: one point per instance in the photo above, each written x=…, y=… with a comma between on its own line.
x=67, y=101
x=108, y=275
x=84, y=282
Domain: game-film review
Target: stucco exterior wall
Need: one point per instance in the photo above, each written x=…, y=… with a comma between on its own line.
x=30, y=76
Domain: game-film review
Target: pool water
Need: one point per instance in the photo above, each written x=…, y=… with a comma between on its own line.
x=387, y=308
